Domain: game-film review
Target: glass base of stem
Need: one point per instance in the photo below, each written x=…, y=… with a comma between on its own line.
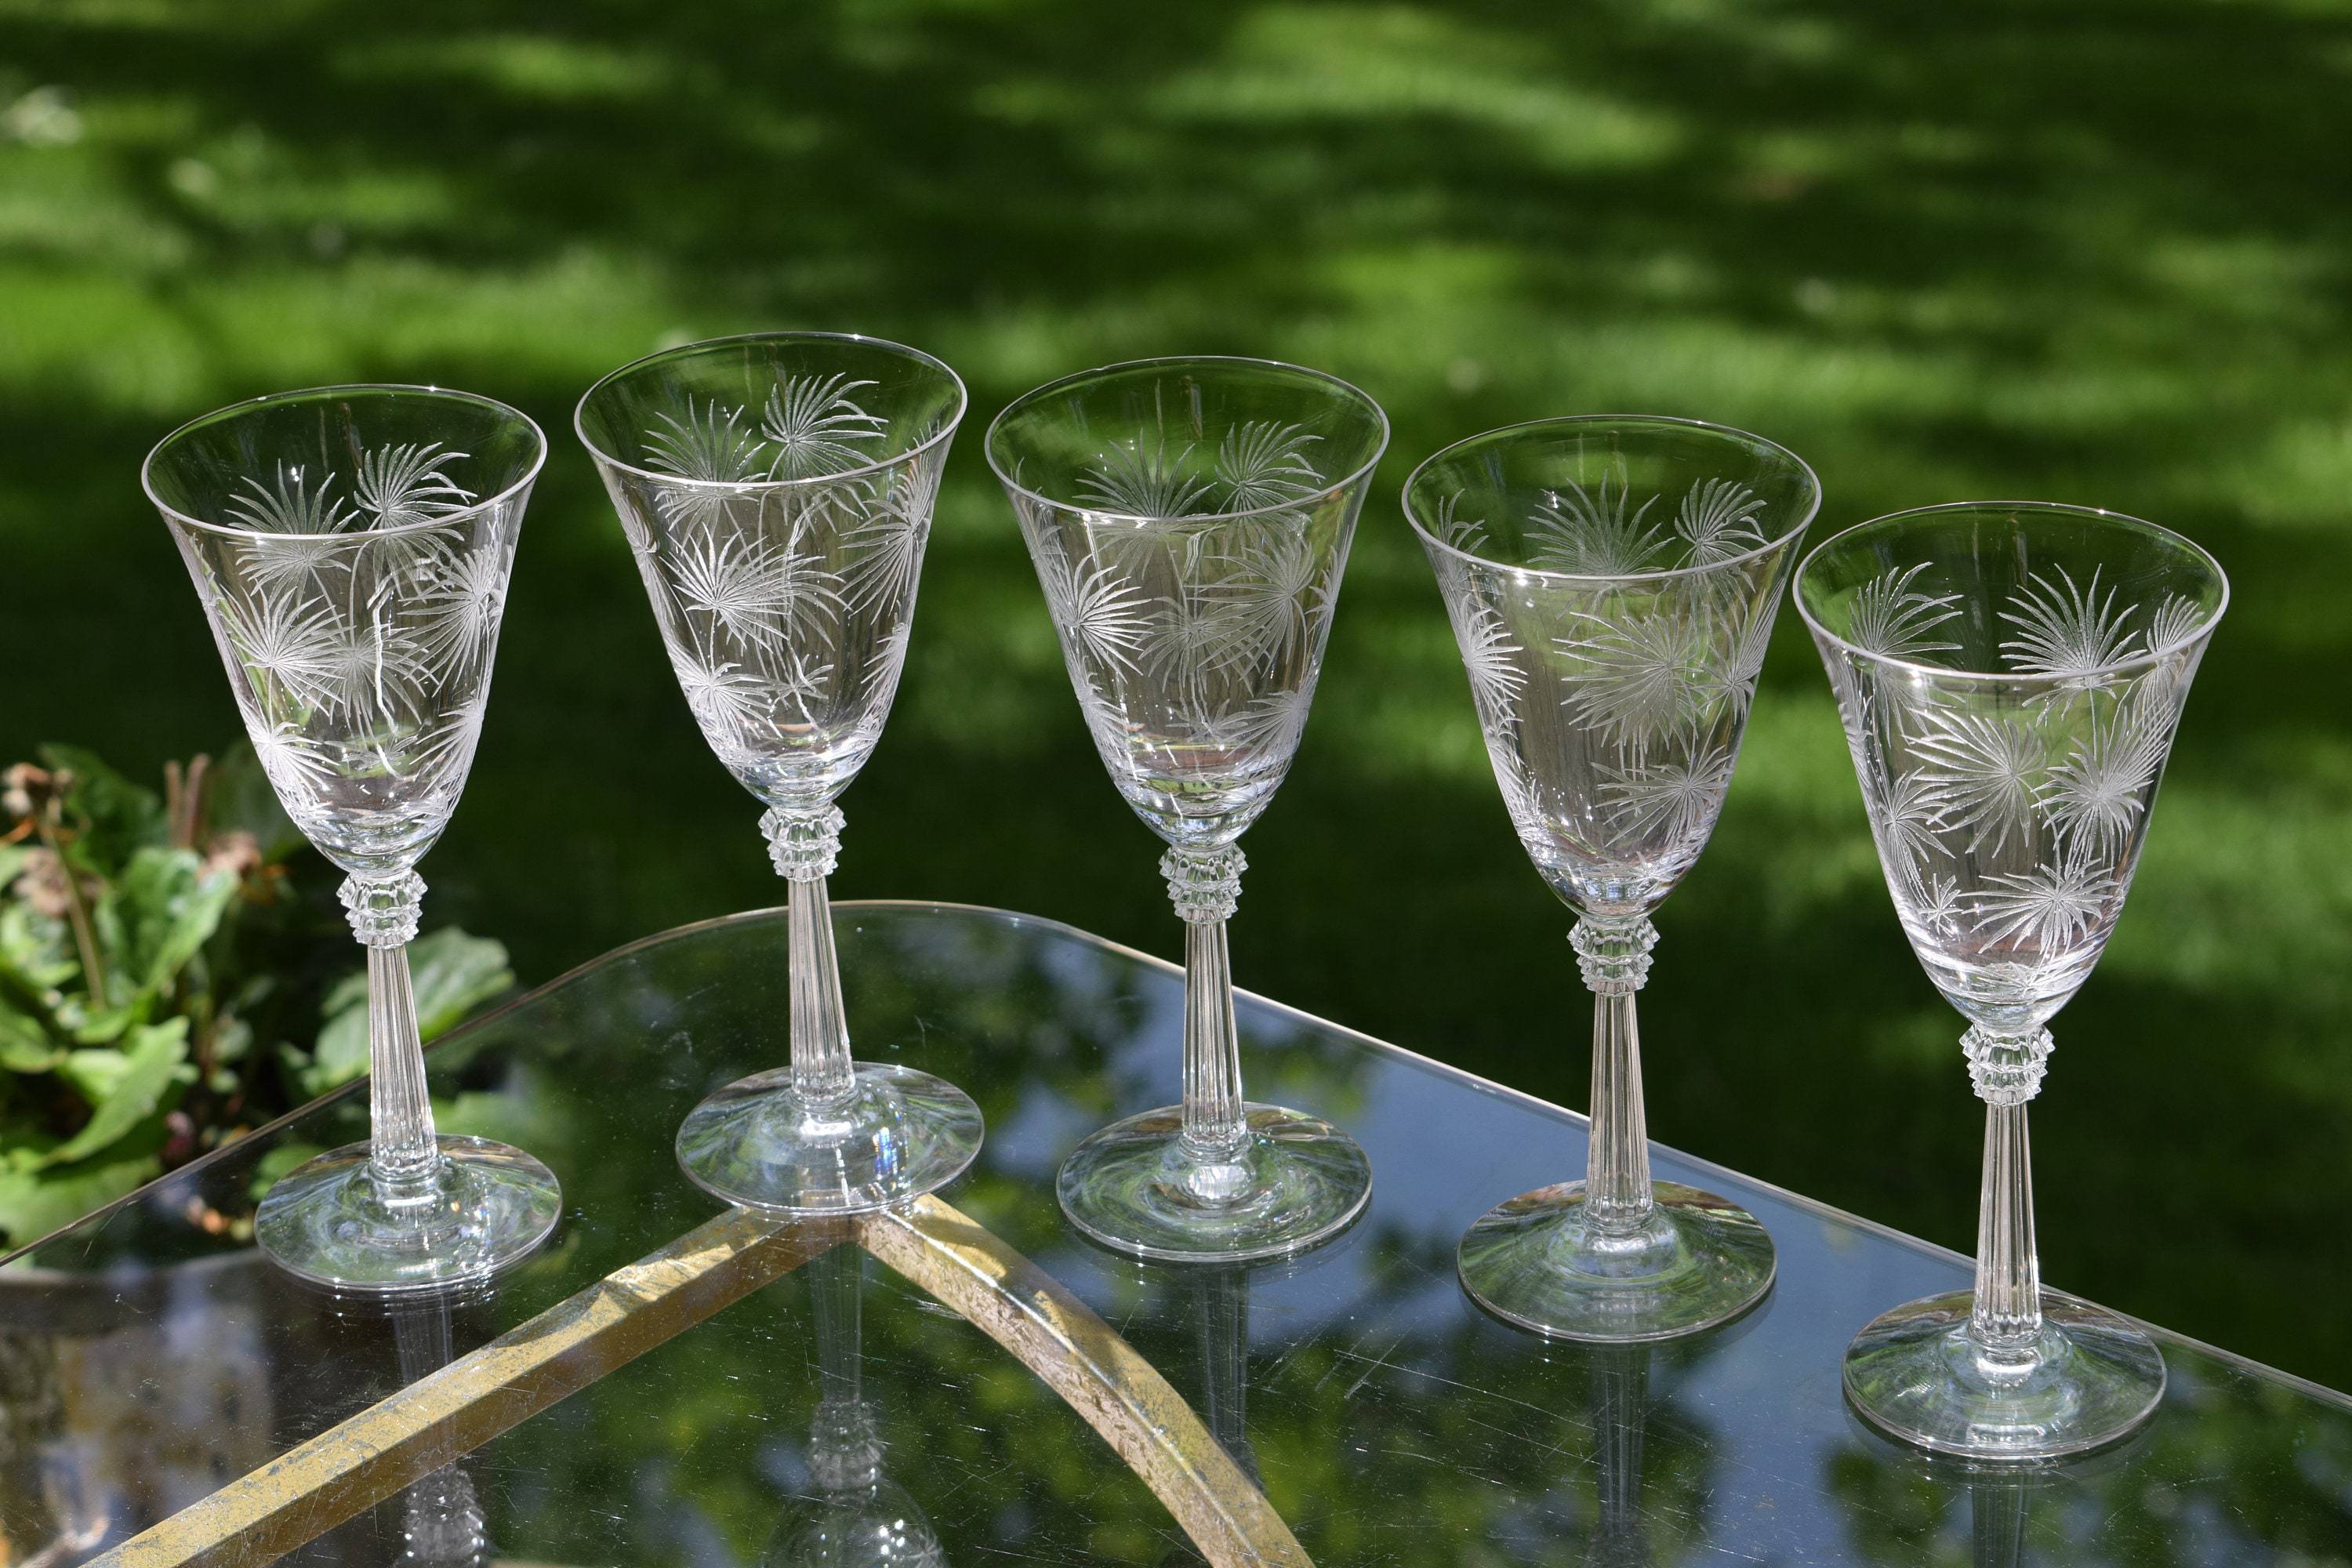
x=1537, y=1261
x=484, y=1208
x=2090, y=1379
x=899, y=1134
x=1296, y=1183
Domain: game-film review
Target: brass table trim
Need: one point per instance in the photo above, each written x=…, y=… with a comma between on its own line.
x=316, y=1486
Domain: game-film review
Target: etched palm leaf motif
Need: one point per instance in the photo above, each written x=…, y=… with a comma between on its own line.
x=754, y=588
x=1094, y=605
x=710, y=446
x=2066, y=631
x=1718, y=521
x=814, y=427
x=1893, y=619
x=1262, y=464
x=1491, y=656
x=463, y=600
x=1276, y=595
x=300, y=524
x=288, y=645
x=2054, y=906
x=1132, y=479
x=402, y=485
x=1674, y=798
x=1985, y=775
x=886, y=547
x=1638, y=678
x=1591, y=533
x=2099, y=792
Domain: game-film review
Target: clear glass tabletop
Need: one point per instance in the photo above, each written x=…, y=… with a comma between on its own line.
x=967, y=1381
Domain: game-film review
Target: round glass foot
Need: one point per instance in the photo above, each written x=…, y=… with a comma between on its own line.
x=899, y=1134
x=1697, y=1262
x=1298, y=1182
x=2089, y=1379
x=484, y=1207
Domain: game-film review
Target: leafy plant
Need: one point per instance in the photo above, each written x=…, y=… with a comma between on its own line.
x=159, y=962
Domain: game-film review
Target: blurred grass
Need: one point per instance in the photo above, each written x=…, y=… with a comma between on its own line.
x=2092, y=250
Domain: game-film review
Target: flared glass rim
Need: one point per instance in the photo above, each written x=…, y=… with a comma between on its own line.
x=344, y=389
x=1660, y=421
x=746, y=487
x=2203, y=628
x=1036, y=394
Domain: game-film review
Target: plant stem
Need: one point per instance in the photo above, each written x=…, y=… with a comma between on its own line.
x=93, y=972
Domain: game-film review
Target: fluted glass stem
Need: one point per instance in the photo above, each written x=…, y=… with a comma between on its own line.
x=804, y=844
x=1615, y=958
x=821, y=1074
x=2007, y=1070
x=1205, y=884
x=401, y=1149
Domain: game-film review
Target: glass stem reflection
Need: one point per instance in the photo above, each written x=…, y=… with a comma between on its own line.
x=1615, y=958
x=2007, y=1070
x=804, y=845
x=1206, y=885
x=401, y=1149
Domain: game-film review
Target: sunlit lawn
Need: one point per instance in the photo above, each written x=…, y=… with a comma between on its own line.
x=2098, y=253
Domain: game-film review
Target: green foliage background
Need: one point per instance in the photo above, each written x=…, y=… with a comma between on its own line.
x=2090, y=250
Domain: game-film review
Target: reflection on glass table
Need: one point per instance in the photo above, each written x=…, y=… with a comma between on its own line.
x=659, y=1406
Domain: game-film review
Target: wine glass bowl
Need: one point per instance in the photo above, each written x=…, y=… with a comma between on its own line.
x=1189, y=519
x=351, y=548
x=2010, y=676
x=777, y=491
x=1611, y=584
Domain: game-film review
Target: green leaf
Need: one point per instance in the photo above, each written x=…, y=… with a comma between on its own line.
x=35, y=1202
x=124, y=1087
x=454, y=974
x=122, y=817
x=451, y=973
x=24, y=1046
x=13, y=857
x=277, y=1163
x=164, y=908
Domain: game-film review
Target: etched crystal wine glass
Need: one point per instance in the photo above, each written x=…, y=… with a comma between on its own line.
x=1189, y=519
x=2010, y=675
x=777, y=492
x=1612, y=582
x=351, y=546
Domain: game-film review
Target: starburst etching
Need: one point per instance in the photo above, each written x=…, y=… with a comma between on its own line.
x=2174, y=622
x=293, y=506
x=446, y=746
x=402, y=485
x=1638, y=678
x=1939, y=903
x=1986, y=777
x=1489, y=654
x=1676, y=798
x=1276, y=598
x=1262, y=464
x=461, y=609
x=2054, y=908
x=289, y=647
x=2065, y=631
x=815, y=427
x=1466, y=534
x=801, y=680
x=1095, y=609
x=2099, y=792
x=1906, y=810
x=283, y=563
x=709, y=447
x=293, y=765
x=888, y=545
x=1717, y=519
x=1272, y=724
x=369, y=670
x=1132, y=482
x=724, y=697
x=751, y=586
x=1591, y=533
x=1893, y=620
x=1193, y=640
